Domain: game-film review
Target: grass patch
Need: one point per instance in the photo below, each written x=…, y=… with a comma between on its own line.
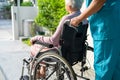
x=26, y=41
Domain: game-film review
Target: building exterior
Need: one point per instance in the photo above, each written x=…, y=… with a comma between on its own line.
x=2, y=4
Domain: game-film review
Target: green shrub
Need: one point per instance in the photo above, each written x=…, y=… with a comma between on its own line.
x=50, y=13
x=15, y=1
x=27, y=3
x=7, y=7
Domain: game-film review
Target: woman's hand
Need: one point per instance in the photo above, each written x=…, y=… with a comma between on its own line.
x=32, y=40
x=75, y=21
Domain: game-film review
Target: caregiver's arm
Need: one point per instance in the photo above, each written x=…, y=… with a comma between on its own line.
x=94, y=6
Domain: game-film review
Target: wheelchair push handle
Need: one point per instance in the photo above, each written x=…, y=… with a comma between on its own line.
x=67, y=22
x=44, y=44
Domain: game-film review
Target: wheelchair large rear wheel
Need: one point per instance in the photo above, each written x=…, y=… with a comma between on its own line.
x=57, y=68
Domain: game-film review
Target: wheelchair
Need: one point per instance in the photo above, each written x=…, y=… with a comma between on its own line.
x=58, y=61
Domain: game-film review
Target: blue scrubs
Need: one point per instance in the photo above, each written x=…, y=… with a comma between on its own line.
x=105, y=28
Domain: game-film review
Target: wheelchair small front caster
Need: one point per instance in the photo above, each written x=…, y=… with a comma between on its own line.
x=25, y=77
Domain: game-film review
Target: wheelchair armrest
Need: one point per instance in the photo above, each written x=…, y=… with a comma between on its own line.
x=44, y=44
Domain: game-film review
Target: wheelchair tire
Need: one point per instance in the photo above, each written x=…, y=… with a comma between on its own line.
x=61, y=70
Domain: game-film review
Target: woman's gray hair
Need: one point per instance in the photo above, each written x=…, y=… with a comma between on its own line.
x=74, y=3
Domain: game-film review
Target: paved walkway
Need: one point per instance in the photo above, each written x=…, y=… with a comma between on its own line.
x=12, y=53
x=5, y=29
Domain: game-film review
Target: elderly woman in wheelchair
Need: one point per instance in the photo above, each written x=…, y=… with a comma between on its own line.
x=62, y=50
x=73, y=7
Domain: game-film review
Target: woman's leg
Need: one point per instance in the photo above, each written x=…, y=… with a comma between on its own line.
x=34, y=50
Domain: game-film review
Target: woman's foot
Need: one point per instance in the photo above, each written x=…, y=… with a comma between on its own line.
x=41, y=72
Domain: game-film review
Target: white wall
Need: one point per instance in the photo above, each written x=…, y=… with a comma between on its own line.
x=19, y=14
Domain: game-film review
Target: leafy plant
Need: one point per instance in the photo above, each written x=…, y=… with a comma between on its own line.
x=50, y=13
x=27, y=3
x=15, y=1
x=7, y=7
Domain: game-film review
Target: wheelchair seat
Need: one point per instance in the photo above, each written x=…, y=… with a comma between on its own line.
x=73, y=42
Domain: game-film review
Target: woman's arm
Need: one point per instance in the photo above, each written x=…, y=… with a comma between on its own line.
x=94, y=6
